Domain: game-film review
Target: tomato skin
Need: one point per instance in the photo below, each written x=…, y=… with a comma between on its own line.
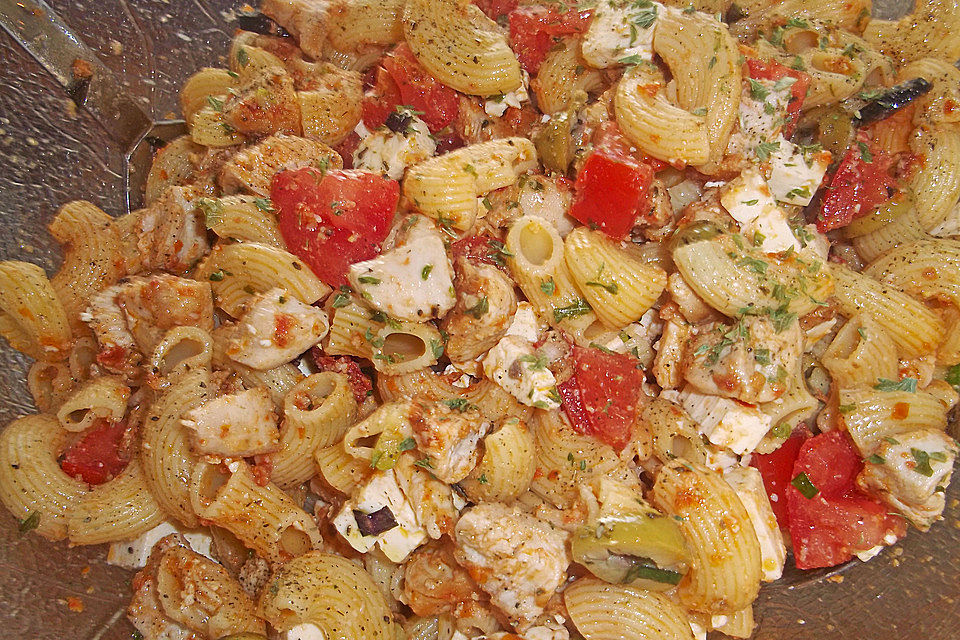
x=776, y=469
x=602, y=397
x=333, y=220
x=770, y=70
x=96, y=457
x=360, y=384
x=839, y=520
x=612, y=186
x=857, y=186
x=496, y=8
x=477, y=249
x=402, y=80
x=534, y=30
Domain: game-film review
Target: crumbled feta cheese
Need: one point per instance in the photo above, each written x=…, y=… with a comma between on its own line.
x=748, y=201
x=870, y=553
x=133, y=554
x=763, y=110
x=514, y=365
x=817, y=332
x=619, y=30
x=683, y=193
x=748, y=484
x=305, y=631
x=637, y=338
x=725, y=422
x=414, y=280
x=496, y=106
x=796, y=175
x=699, y=631
x=381, y=490
x=389, y=153
x=526, y=323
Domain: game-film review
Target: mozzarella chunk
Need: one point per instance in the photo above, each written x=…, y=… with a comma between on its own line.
x=379, y=491
x=496, y=106
x=910, y=472
x=513, y=364
x=450, y=438
x=748, y=200
x=526, y=323
x=275, y=329
x=794, y=175
x=389, y=153
x=133, y=554
x=725, y=422
x=237, y=425
x=763, y=110
x=414, y=280
x=748, y=484
x=305, y=631
x=619, y=30
x=518, y=559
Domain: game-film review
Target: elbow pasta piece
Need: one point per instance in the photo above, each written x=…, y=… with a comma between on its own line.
x=725, y=573
x=316, y=414
x=938, y=106
x=535, y=256
x=263, y=518
x=120, y=509
x=238, y=271
x=165, y=454
x=850, y=16
x=91, y=257
x=935, y=183
x=928, y=32
x=330, y=592
x=603, y=611
x=871, y=415
x=201, y=87
x=208, y=127
x=563, y=73
x=876, y=239
x=460, y=46
x=926, y=269
x=507, y=467
x=411, y=346
x=31, y=481
x=50, y=383
x=732, y=283
x=331, y=110
x=244, y=218
x=340, y=470
x=356, y=23
x=180, y=351
x=446, y=187
x=861, y=353
x=32, y=318
x=173, y=166
x=104, y=397
x=915, y=329
x=619, y=287
x=249, y=61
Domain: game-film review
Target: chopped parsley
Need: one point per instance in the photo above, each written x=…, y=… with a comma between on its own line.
x=459, y=404
x=549, y=286
x=342, y=298
x=436, y=347
x=806, y=488
x=875, y=459
x=215, y=103
x=922, y=460
x=243, y=58
x=764, y=149
x=578, y=308
x=906, y=384
x=368, y=280
x=29, y=523
x=406, y=444
x=535, y=361
x=611, y=286
x=477, y=310
x=425, y=272
x=865, y=154
x=264, y=205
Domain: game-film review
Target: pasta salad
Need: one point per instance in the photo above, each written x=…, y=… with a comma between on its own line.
x=508, y=319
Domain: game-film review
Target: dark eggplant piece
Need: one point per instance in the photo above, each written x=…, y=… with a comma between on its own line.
x=259, y=23
x=373, y=524
x=887, y=102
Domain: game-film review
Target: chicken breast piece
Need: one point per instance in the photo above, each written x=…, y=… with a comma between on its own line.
x=275, y=329
x=518, y=559
x=172, y=232
x=305, y=20
x=449, y=437
x=252, y=169
x=236, y=425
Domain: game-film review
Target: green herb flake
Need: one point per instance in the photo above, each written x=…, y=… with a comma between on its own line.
x=953, y=376
x=459, y=404
x=906, y=384
x=922, y=462
x=758, y=90
x=215, y=103
x=477, y=310
x=549, y=287
x=483, y=479
x=424, y=463
x=762, y=356
x=264, y=205
x=610, y=287
x=406, y=444
x=212, y=210
x=875, y=459
x=243, y=58
x=865, y=154
x=368, y=280
x=847, y=408
x=782, y=431
x=806, y=488
x=436, y=347
x=342, y=298
x=764, y=149
x=218, y=275
x=576, y=309
x=699, y=111
x=29, y=523
x=425, y=272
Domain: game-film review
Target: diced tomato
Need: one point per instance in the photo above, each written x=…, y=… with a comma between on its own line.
x=479, y=248
x=770, y=70
x=346, y=149
x=776, y=469
x=862, y=182
x=448, y=141
x=97, y=456
x=839, y=520
x=359, y=383
x=496, y=8
x=601, y=398
x=402, y=80
x=535, y=29
x=613, y=186
x=335, y=219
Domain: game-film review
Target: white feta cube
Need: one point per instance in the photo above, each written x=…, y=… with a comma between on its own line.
x=514, y=365
x=496, y=106
x=748, y=484
x=236, y=425
x=133, y=554
x=725, y=422
x=526, y=323
x=620, y=29
x=389, y=153
x=748, y=200
x=796, y=175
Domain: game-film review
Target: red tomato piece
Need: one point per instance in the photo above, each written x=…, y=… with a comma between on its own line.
x=602, y=397
x=839, y=520
x=333, y=220
x=534, y=30
x=96, y=457
x=496, y=8
x=346, y=149
x=403, y=80
x=359, y=383
x=612, y=187
x=776, y=469
x=770, y=70
x=862, y=182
